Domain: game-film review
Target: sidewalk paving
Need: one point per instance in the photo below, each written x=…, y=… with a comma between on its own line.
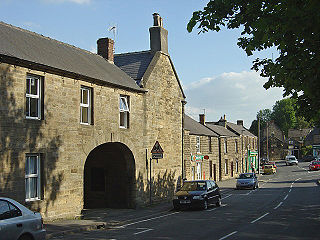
x=107, y=218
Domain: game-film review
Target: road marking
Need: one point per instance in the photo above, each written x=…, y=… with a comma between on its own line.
x=228, y=235
x=226, y=196
x=222, y=205
x=278, y=205
x=285, y=197
x=146, y=220
x=260, y=218
x=146, y=230
x=290, y=189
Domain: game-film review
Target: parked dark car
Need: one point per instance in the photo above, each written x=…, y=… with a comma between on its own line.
x=197, y=194
x=247, y=180
x=308, y=158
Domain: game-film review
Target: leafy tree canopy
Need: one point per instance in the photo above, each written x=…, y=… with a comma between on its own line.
x=293, y=27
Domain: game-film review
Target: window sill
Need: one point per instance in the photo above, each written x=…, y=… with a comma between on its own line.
x=32, y=200
x=33, y=118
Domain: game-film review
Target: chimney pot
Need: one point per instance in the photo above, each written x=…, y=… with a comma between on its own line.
x=158, y=35
x=105, y=48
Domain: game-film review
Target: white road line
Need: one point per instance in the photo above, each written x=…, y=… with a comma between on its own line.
x=260, y=218
x=228, y=235
x=278, y=205
x=290, y=189
x=285, y=197
x=210, y=210
x=226, y=196
x=147, y=230
x=146, y=220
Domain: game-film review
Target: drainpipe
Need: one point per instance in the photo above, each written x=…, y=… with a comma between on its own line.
x=220, y=160
x=182, y=136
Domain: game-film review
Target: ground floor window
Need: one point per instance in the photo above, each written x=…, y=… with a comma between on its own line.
x=32, y=177
x=226, y=167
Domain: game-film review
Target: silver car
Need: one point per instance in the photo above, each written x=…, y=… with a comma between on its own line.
x=18, y=222
x=291, y=160
x=247, y=180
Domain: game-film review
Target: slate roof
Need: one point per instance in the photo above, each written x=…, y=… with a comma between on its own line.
x=134, y=64
x=309, y=138
x=30, y=47
x=239, y=129
x=297, y=133
x=220, y=130
x=197, y=128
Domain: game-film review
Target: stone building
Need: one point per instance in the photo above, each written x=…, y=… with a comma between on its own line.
x=76, y=129
x=296, y=139
x=313, y=139
x=273, y=142
x=201, y=151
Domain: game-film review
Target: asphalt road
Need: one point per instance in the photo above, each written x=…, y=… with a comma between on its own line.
x=286, y=206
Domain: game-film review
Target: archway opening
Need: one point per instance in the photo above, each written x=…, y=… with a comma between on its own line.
x=109, y=177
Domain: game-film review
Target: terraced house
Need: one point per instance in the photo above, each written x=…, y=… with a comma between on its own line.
x=76, y=129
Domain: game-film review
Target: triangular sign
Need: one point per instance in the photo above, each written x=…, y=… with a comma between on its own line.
x=157, y=148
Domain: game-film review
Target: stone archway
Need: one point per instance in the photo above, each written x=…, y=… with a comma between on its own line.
x=109, y=177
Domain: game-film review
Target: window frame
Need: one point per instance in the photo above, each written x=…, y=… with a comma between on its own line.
x=87, y=105
x=225, y=146
x=34, y=175
x=30, y=96
x=125, y=112
x=210, y=144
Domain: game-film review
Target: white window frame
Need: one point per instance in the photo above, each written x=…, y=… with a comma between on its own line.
x=198, y=150
x=226, y=172
x=87, y=105
x=124, y=110
x=30, y=96
x=36, y=175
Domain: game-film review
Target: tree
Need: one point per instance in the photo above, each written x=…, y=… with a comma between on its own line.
x=264, y=116
x=293, y=27
x=284, y=114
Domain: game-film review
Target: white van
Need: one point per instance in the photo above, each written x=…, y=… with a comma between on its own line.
x=291, y=160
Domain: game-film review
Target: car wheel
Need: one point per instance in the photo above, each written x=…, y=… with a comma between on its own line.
x=205, y=204
x=25, y=237
x=218, y=204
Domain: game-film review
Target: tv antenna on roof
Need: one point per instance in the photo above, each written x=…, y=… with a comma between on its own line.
x=113, y=28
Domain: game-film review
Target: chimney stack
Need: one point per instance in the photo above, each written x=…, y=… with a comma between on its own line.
x=202, y=119
x=240, y=122
x=223, y=122
x=105, y=48
x=158, y=35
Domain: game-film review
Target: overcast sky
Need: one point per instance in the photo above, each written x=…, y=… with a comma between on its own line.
x=214, y=72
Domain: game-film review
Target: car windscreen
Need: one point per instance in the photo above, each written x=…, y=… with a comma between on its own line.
x=315, y=163
x=194, y=186
x=292, y=158
x=246, y=176
x=267, y=166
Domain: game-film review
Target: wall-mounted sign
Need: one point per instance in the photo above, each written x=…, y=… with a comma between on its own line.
x=197, y=158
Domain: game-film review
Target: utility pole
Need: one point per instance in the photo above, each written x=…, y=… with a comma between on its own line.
x=258, y=145
x=268, y=141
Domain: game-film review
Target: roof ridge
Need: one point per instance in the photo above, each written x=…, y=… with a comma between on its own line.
x=127, y=53
x=45, y=37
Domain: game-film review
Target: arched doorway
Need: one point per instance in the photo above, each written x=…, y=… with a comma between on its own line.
x=109, y=177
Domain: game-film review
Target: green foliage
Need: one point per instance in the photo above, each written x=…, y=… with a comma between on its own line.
x=306, y=150
x=284, y=114
x=290, y=26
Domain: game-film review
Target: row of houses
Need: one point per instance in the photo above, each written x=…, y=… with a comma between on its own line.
x=77, y=128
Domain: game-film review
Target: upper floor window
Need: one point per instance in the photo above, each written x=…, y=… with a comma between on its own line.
x=236, y=146
x=198, y=144
x=124, y=108
x=225, y=146
x=32, y=177
x=33, y=97
x=86, y=105
x=210, y=144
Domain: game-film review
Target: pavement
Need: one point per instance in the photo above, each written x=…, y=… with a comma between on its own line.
x=107, y=218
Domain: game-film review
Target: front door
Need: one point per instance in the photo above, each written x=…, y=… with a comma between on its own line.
x=198, y=171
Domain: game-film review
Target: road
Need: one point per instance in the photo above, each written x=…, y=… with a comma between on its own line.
x=286, y=206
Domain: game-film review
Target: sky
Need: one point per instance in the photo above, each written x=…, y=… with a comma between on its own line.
x=215, y=73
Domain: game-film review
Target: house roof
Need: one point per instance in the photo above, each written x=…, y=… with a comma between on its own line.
x=315, y=131
x=220, y=130
x=297, y=133
x=197, y=128
x=239, y=129
x=134, y=64
x=27, y=47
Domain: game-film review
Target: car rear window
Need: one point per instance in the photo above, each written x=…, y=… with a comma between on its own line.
x=194, y=186
x=268, y=166
x=245, y=176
